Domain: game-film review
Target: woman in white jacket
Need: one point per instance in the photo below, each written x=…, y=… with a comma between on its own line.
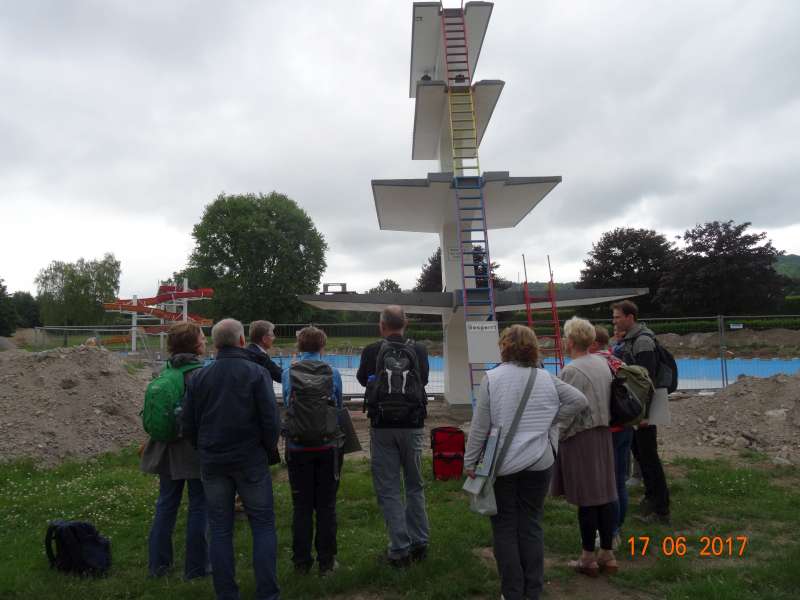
x=523, y=478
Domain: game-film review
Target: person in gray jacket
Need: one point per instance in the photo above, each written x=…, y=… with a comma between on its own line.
x=177, y=465
x=523, y=477
x=639, y=348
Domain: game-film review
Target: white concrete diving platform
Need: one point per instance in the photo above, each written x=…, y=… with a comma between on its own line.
x=426, y=39
x=426, y=205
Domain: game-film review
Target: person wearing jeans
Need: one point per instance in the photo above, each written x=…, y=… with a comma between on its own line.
x=231, y=417
x=254, y=486
x=177, y=465
x=621, y=436
x=523, y=477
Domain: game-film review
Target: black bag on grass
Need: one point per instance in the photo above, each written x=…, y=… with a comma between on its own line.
x=80, y=549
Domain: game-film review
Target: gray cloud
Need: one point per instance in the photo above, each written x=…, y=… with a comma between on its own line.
x=656, y=115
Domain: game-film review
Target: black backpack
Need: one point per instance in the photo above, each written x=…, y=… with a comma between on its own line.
x=397, y=397
x=80, y=549
x=667, y=375
x=311, y=419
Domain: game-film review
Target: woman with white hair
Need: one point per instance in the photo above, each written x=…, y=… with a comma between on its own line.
x=584, y=468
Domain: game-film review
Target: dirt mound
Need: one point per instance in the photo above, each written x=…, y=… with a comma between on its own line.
x=761, y=414
x=743, y=343
x=69, y=402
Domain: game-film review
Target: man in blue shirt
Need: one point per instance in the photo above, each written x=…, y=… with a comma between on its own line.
x=314, y=469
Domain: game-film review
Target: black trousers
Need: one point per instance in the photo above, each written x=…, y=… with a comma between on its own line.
x=593, y=519
x=656, y=492
x=517, y=533
x=314, y=479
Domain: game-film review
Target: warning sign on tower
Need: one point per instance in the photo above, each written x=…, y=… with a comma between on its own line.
x=482, y=338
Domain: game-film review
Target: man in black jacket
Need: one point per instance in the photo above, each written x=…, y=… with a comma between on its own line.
x=639, y=348
x=396, y=452
x=231, y=417
x=262, y=335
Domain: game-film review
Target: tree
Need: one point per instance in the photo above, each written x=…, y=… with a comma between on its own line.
x=723, y=270
x=258, y=252
x=479, y=262
x=8, y=316
x=73, y=293
x=27, y=309
x=386, y=286
x=628, y=257
x=430, y=278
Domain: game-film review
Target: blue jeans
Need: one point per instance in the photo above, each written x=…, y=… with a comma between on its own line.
x=159, y=543
x=622, y=456
x=254, y=485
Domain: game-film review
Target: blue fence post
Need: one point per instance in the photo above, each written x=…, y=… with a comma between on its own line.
x=723, y=368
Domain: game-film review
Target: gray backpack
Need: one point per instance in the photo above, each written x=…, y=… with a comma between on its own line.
x=311, y=418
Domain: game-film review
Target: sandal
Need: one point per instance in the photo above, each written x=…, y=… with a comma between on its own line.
x=590, y=569
x=610, y=566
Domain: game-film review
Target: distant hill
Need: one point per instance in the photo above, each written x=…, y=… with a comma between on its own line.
x=789, y=265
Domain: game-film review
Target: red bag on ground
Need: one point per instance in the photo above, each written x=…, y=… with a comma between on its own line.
x=447, y=444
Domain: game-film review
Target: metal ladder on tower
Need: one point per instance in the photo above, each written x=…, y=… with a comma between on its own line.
x=477, y=281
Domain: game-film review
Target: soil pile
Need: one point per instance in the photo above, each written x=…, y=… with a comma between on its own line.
x=761, y=414
x=743, y=343
x=67, y=403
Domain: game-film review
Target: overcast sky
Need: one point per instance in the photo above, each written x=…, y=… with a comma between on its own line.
x=121, y=120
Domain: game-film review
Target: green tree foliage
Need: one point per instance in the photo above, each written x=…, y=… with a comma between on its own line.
x=479, y=262
x=430, y=278
x=628, y=257
x=27, y=309
x=258, y=252
x=789, y=265
x=73, y=293
x=723, y=270
x=8, y=316
x=386, y=286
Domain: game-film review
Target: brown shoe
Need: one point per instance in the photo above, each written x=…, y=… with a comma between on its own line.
x=590, y=569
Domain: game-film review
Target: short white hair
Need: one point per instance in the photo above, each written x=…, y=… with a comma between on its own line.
x=227, y=333
x=580, y=331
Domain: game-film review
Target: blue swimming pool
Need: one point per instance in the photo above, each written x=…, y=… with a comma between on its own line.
x=694, y=373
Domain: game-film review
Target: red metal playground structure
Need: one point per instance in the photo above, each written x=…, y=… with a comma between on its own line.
x=170, y=304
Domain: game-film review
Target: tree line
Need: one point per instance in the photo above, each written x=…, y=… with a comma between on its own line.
x=260, y=251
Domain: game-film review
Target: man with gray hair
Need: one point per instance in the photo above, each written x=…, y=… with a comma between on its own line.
x=231, y=417
x=395, y=372
x=262, y=336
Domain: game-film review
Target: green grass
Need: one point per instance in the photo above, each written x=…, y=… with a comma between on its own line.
x=709, y=498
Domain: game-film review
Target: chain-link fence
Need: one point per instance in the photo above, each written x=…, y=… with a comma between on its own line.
x=710, y=351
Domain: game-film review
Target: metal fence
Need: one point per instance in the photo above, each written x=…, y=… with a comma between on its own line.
x=710, y=351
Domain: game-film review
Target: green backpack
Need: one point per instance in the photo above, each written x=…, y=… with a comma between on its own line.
x=162, y=400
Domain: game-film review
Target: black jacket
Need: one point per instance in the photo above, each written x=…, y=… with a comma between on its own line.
x=230, y=414
x=262, y=358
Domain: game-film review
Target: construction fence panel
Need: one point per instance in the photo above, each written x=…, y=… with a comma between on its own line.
x=710, y=351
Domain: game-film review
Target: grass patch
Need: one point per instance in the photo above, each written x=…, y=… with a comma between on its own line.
x=709, y=498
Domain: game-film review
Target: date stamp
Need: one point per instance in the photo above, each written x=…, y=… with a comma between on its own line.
x=706, y=546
